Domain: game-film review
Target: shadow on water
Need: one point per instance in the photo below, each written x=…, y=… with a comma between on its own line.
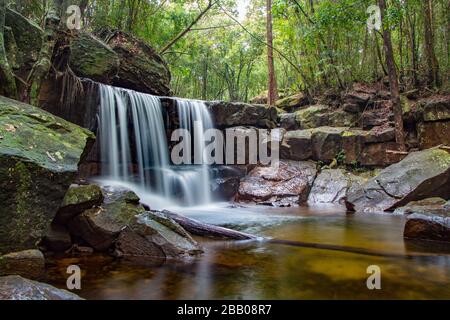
x=262, y=270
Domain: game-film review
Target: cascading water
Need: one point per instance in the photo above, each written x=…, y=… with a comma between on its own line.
x=143, y=162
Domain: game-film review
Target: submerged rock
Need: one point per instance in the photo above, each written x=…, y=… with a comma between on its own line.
x=332, y=185
x=39, y=157
x=18, y=288
x=420, y=175
x=28, y=263
x=285, y=185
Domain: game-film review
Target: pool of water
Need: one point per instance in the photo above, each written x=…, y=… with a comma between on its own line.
x=262, y=270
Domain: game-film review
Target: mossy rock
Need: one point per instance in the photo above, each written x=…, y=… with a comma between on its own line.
x=93, y=59
x=39, y=157
x=312, y=117
x=293, y=102
x=26, y=36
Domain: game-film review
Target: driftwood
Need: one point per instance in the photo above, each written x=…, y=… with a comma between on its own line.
x=206, y=230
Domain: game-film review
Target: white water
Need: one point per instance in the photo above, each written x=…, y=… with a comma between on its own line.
x=126, y=114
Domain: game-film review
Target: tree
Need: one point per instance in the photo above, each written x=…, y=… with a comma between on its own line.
x=432, y=62
x=393, y=79
x=7, y=80
x=272, y=88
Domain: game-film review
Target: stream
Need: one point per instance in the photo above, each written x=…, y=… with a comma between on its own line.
x=261, y=270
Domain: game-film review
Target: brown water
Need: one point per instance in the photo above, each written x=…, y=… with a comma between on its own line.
x=230, y=270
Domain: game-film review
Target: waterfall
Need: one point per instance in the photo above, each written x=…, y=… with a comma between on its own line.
x=134, y=148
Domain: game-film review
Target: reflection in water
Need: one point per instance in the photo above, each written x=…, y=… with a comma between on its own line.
x=245, y=270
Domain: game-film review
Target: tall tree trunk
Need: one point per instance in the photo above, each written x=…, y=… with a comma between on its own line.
x=393, y=80
x=7, y=81
x=42, y=66
x=432, y=63
x=272, y=90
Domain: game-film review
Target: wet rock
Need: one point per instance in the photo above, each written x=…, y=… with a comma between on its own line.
x=421, y=175
x=141, y=67
x=18, y=288
x=230, y=114
x=430, y=226
x=78, y=199
x=289, y=184
x=93, y=59
x=28, y=263
x=225, y=181
x=431, y=205
x=57, y=238
x=39, y=157
x=297, y=145
x=123, y=226
x=332, y=185
x=293, y=102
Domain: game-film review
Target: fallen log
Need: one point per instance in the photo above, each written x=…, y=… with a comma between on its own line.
x=206, y=230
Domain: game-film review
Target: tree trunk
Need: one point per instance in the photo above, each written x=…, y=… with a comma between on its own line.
x=432, y=63
x=272, y=90
x=393, y=80
x=42, y=66
x=7, y=81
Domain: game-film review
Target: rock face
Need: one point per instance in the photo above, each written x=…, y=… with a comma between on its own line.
x=39, y=157
x=23, y=43
x=122, y=225
x=91, y=58
x=289, y=184
x=28, y=263
x=420, y=175
x=141, y=67
x=230, y=114
x=18, y=288
x=332, y=185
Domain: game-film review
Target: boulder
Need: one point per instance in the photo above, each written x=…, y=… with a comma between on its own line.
x=312, y=117
x=18, y=288
x=436, y=108
x=342, y=118
x=57, y=238
x=230, y=114
x=26, y=37
x=288, y=121
x=78, y=199
x=293, y=102
x=432, y=134
x=297, y=145
x=431, y=226
x=423, y=174
x=93, y=59
x=431, y=205
x=332, y=185
x=287, y=184
x=122, y=225
x=28, y=263
x=141, y=67
x=327, y=143
x=225, y=182
x=375, y=154
x=39, y=157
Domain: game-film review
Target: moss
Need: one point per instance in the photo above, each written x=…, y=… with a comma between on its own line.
x=82, y=194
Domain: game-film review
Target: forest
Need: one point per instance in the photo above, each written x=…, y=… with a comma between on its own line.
x=224, y=149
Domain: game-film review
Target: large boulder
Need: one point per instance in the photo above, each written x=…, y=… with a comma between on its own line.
x=28, y=263
x=18, y=288
x=123, y=226
x=93, y=59
x=332, y=185
x=297, y=145
x=433, y=134
x=231, y=114
x=25, y=38
x=432, y=226
x=287, y=184
x=431, y=205
x=39, y=157
x=312, y=117
x=327, y=143
x=141, y=67
x=433, y=125
x=421, y=175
